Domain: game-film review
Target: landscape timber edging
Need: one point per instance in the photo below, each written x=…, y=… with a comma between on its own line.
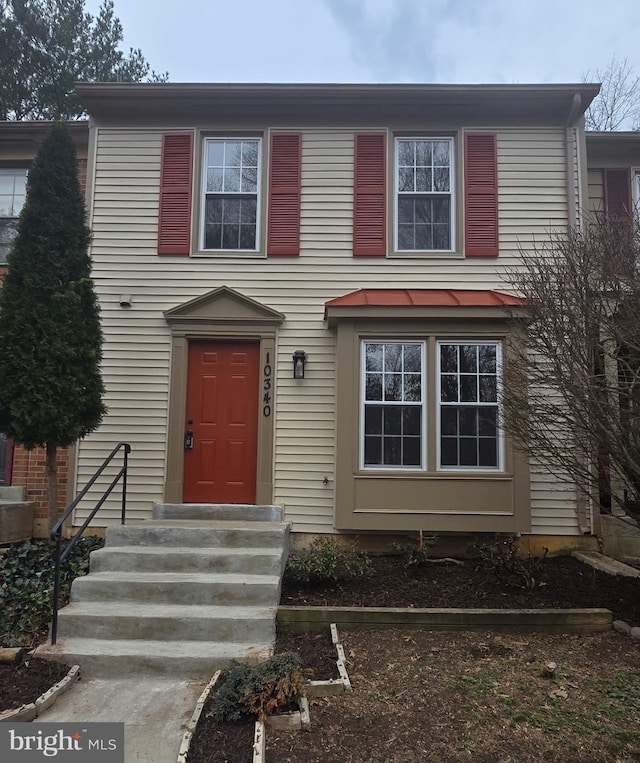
x=332, y=686
x=298, y=619
x=195, y=717
x=291, y=721
x=26, y=713
x=259, y=736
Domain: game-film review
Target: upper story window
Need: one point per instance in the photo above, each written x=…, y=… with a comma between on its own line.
x=13, y=191
x=231, y=194
x=424, y=194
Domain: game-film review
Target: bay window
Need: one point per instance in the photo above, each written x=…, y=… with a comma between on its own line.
x=465, y=383
x=468, y=405
x=393, y=404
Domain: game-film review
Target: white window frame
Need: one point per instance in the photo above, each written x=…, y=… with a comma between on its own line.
x=635, y=191
x=499, y=381
x=13, y=172
x=452, y=193
x=203, y=191
x=422, y=404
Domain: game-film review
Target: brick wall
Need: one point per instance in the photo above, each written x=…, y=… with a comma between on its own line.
x=30, y=471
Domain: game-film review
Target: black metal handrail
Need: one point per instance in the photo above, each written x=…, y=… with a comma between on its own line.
x=56, y=531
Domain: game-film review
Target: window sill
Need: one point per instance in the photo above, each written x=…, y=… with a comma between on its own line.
x=407, y=474
x=439, y=255
x=229, y=254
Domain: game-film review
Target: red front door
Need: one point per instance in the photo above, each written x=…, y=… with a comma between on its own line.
x=222, y=413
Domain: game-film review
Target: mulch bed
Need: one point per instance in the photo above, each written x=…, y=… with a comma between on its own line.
x=316, y=650
x=215, y=742
x=562, y=582
x=222, y=743
x=24, y=682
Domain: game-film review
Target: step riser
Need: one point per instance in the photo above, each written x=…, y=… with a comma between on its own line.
x=255, y=630
x=193, y=537
x=107, y=560
x=118, y=666
x=225, y=511
x=188, y=592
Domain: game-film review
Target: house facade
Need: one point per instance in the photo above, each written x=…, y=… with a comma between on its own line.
x=305, y=297
x=19, y=143
x=614, y=171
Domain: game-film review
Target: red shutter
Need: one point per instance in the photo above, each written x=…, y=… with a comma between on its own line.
x=617, y=193
x=370, y=195
x=283, y=235
x=480, y=195
x=174, y=224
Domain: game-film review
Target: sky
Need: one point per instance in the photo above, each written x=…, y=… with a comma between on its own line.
x=439, y=41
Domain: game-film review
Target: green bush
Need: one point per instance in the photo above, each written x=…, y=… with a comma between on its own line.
x=26, y=587
x=327, y=560
x=259, y=689
x=415, y=553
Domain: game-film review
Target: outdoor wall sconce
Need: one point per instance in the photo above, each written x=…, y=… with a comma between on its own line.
x=299, y=361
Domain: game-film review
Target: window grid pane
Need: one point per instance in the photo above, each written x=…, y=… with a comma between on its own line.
x=393, y=373
x=424, y=182
x=393, y=404
x=468, y=405
x=231, y=204
x=12, y=192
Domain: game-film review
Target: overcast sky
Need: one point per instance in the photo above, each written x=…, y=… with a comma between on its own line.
x=457, y=41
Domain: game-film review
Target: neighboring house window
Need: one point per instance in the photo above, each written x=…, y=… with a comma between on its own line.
x=424, y=194
x=636, y=192
x=13, y=189
x=231, y=196
x=393, y=404
x=6, y=451
x=468, y=380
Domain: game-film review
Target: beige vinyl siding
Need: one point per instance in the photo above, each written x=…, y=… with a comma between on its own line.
x=532, y=199
x=596, y=190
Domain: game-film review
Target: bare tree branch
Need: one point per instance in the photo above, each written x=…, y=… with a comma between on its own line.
x=572, y=399
x=618, y=105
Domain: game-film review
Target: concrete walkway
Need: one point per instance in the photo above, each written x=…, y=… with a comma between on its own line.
x=155, y=712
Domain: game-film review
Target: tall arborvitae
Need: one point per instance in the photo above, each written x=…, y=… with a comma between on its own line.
x=50, y=337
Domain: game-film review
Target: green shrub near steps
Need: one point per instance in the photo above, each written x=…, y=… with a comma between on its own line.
x=327, y=560
x=26, y=587
x=259, y=689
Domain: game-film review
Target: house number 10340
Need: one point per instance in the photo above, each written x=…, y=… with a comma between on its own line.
x=266, y=386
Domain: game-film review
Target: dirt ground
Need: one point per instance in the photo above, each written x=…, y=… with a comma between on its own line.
x=475, y=698
x=452, y=698
x=23, y=683
x=560, y=582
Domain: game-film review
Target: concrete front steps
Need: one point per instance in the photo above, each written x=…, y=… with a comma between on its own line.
x=180, y=595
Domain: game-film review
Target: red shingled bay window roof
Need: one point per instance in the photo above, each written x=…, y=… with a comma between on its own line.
x=426, y=298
